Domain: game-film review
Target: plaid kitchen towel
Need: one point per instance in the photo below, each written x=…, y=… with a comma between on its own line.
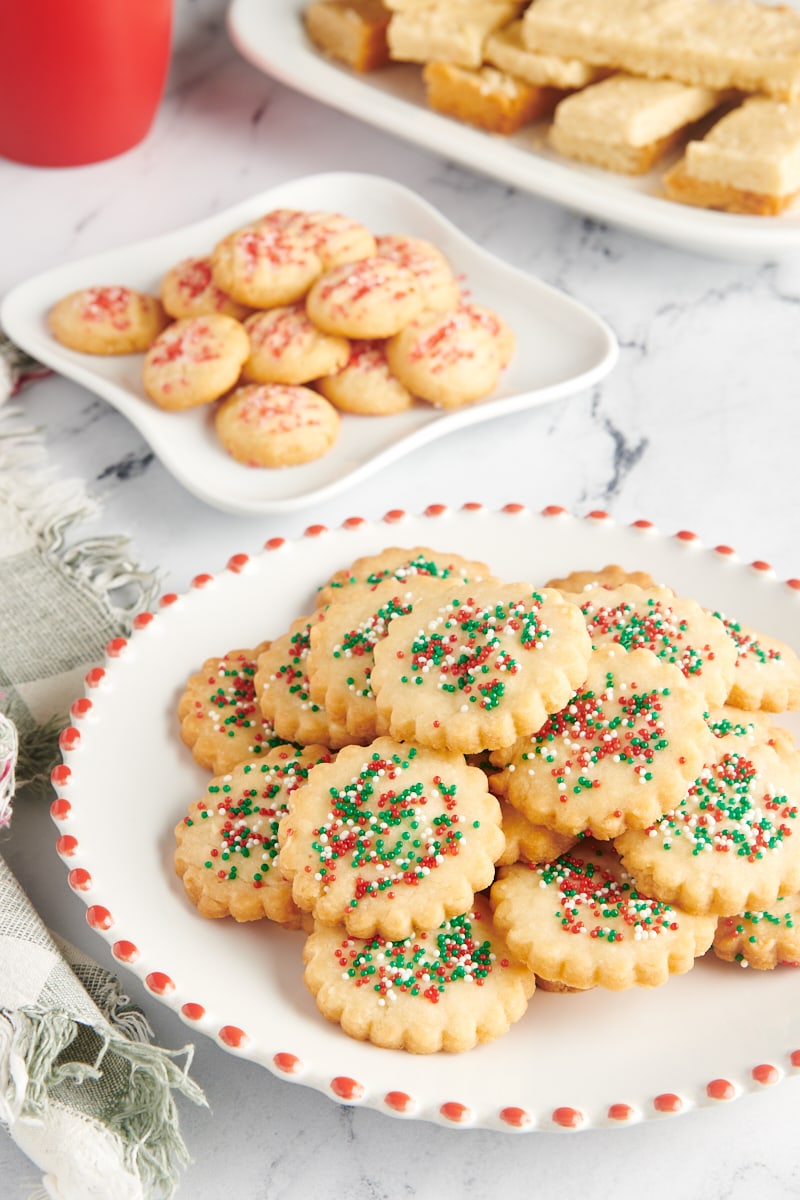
x=83, y=1091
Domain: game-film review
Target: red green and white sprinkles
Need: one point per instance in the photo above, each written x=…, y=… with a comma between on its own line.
x=247, y=814
x=424, y=965
x=650, y=625
x=748, y=646
x=618, y=724
x=729, y=809
x=464, y=651
x=231, y=706
x=360, y=642
x=775, y=928
x=377, y=827
x=600, y=904
x=417, y=564
x=292, y=672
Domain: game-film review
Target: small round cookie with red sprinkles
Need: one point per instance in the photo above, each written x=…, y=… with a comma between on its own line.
x=227, y=845
x=732, y=842
x=476, y=667
x=188, y=290
x=610, y=576
x=454, y=358
x=619, y=753
x=390, y=838
x=194, y=361
x=767, y=674
x=364, y=384
x=763, y=939
x=334, y=237
x=262, y=267
x=276, y=425
x=282, y=690
x=582, y=921
x=221, y=721
x=401, y=563
x=285, y=347
x=107, y=320
x=426, y=261
x=676, y=630
x=372, y=298
x=444, y=990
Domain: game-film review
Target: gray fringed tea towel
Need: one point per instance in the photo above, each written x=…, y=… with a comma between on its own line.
x=83, y=1091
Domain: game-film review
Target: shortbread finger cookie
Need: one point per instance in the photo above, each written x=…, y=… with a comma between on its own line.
x=486, y=97
x=334, y=237
x=107, y=320
x=194, y=361
x=261, y=266
x=276, y=425
x=188, y=290
x=529, y=842
x=621, y=751
x=401, y=563
x=227, y=845
x=764, y=939
x=426, y=262
x=350, y=31
x=342, y=653
x=477, y=667
x=372, y=298
x=221, y=721
x=610, y=576
x=732, y=842
x=390, y=838
x=582, y=921
x=453, y=358
x=767, y=673
x=453, y=33
x=285, y=347
x=506, y=49
x=676, y=630
x=365, y=385
x=282, y=690
x=449, y=989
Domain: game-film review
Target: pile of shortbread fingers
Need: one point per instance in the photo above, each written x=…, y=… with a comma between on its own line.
x=619, y=82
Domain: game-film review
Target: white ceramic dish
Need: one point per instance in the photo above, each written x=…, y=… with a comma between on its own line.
x=271, y=36
x=562, y=347
x=596, y=1059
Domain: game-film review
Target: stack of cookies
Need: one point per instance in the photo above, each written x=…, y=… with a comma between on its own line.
x=625, y=81
x=289, y=321
x=458, y=788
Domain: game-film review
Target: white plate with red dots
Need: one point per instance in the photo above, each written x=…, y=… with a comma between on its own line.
x=562, y=348
x=573, y=1061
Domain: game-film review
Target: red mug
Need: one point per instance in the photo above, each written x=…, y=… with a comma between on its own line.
x=80, y=80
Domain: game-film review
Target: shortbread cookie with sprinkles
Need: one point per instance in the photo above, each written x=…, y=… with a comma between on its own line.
x=365, y=385
x=334, y=237
x=401, y=563
x=390, y=838
x=479, y=666
x=107, y=320
x=582, y=921
x=227, y=845
x=372, y=298
x=261, y=266
x=529, y=842
x=453, y=358
x=285, y=347
x=620, y=752
x=767, y=674
x=764, y=939
x=449, y=989
x=194, y=361
x=188, y=290
x=732, y=842
x=746, y=727
x=221, y=721
x=676, y=630
x=343, y=644
x=610, y=576
x=426, y=261
x=276, y=425
x=282, y=690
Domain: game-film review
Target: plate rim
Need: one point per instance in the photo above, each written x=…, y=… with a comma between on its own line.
x=345, y=1088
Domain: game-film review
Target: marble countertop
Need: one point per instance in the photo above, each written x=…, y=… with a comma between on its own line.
x=694, y=429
